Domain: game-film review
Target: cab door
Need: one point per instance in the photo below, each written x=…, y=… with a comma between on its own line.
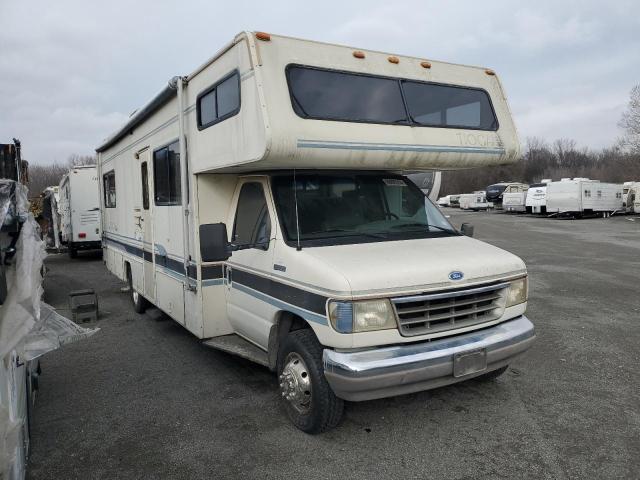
x=246, y=272
x=144, y=226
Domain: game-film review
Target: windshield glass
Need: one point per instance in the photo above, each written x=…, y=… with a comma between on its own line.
x=340, y=208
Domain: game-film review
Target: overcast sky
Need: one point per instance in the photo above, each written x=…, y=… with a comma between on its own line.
x=71, y=72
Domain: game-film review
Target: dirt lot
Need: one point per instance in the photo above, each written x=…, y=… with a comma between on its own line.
x=143, y=399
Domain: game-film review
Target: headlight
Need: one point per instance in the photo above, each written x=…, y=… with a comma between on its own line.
x=362, y=316
x=518, y=292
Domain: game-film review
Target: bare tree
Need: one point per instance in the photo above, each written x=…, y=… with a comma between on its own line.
x=43, y=176
x=630, y=121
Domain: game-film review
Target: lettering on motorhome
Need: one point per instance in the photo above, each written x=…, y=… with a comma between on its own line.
x=478, y=140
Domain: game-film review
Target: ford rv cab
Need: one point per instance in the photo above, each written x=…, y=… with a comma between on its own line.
x=259, y=202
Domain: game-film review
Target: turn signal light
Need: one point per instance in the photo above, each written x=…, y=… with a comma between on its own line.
x=358, y=54
x=265, y=37
x=425, y=64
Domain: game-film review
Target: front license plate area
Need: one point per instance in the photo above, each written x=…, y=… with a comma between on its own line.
x=466, y=363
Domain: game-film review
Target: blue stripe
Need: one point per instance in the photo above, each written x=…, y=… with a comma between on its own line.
x=312, y=317
x=398, y=147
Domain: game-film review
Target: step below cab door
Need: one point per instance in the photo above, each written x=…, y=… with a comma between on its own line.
x=246, y=274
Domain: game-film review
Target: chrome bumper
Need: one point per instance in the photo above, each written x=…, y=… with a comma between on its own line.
x=390, y=371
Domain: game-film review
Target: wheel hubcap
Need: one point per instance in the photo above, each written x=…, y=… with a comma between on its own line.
x=295, y=383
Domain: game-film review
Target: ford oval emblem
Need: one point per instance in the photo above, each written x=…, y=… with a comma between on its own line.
x=456, y=275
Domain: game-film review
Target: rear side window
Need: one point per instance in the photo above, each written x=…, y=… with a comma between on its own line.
x=353, y=97
x=166, y=175
x=252, y=223
x=446, y=106
x=219, y=101
x=109, y=183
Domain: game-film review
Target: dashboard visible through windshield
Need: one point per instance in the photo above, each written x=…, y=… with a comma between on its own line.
x=343, y=208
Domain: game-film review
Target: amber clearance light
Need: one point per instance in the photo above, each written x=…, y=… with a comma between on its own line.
x=393, y=60
x=358, y=54
x=425, y=64
x=265, y=37
x=488, y=71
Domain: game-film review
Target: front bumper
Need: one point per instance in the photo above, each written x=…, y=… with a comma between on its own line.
x=390, y=371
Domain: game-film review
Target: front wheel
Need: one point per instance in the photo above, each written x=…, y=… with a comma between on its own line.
x=309, y=401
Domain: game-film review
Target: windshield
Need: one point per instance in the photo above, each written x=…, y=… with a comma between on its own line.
x=346, y=208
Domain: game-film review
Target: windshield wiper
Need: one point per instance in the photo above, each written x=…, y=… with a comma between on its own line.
x=448, y=230
x=350, y=233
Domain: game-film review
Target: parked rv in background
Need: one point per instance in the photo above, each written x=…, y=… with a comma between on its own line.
x=80, y=223
x=496, y=191
x=632, y=198
x=537, y=197
x=342, y=279
x=514, y=198
x=583, y=196
x=473, y=201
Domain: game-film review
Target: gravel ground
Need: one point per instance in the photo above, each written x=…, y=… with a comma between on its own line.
x=143, y=399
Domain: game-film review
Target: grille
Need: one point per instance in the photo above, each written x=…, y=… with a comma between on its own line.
x=437, y=312
x=88, y=218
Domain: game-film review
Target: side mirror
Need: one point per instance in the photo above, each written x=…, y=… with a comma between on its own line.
x=466, y=229
x=214, y=246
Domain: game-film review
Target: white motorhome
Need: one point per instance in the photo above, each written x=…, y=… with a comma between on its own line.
x=80, y=219
x=514, y=198
x=256, y=202
x=473, y=201
x=537, y=197
x=583, y=196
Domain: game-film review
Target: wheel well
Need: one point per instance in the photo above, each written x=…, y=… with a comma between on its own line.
x=285, y=322
x=127, y=272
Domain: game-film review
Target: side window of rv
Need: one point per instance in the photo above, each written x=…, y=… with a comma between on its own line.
x=252, y=224
x=109, y=182
x=144, y=175
x=219, y=101
x=587, y=193
x=166, y=175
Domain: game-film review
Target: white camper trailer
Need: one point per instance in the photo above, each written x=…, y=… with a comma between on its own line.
x=473, y=201
x=631, y=197
x=496, y=191
x=514, y=197
x=282, y=234
x=537, y=197
x=79, y=207
x=583, y=196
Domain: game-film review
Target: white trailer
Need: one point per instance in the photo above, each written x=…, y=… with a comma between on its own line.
x=473, y=201
x=282, y=233
x=583, y=196
x=631, y=197
x=514, y=198
x=80, y=218
x=537, y=197
x=496, y=192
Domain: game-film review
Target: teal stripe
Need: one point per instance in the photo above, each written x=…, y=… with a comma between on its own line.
x=312, y=317
x=398, y=147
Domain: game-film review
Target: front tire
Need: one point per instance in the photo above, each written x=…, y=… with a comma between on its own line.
x=308, y=399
